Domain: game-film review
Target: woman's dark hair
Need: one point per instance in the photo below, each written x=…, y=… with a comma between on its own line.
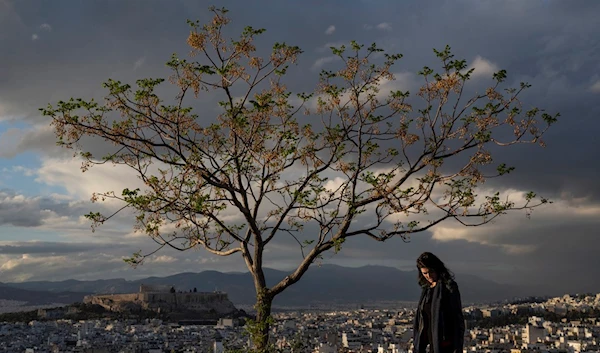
x=432, y=262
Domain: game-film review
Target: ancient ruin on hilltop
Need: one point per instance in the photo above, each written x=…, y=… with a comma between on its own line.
x=166, y=299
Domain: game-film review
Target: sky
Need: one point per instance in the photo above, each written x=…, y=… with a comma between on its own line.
x=54, y=50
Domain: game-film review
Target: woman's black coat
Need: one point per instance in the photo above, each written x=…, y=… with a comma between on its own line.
x=447, y=320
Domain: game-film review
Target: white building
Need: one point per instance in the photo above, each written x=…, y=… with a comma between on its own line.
x=574, y=346
x=533, y=333
x=225, y=323
x=353, y=340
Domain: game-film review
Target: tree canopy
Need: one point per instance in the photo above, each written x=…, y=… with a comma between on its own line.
x=273, y=164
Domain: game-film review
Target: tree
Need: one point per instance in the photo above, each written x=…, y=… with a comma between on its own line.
x=348, y=151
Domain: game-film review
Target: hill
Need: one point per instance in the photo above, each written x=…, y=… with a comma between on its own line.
x=326, y=284
x=39, y=296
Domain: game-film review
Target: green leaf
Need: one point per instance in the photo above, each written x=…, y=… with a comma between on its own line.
x=500, y=76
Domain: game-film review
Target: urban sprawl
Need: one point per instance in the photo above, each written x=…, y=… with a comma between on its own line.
x=566, y=324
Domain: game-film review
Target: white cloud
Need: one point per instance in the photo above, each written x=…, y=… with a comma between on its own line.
x=79, y=187
x=20, y=169
x=139, y=63
x=25, y=267
x=99, y=261
x=480, y=236
x=327, y=46
x=330, y=30
x=163, y=259
x=500, y=233
x=403, y=81
x=595, y=87
x=334, y=183
x=483, y=67
x=44, y=27
x=66, y=173
x=320, y=62
x=384, y=26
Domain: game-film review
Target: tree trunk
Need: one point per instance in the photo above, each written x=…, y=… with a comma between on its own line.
x=260, y=331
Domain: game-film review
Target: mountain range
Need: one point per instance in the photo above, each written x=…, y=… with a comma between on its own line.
x=321, y=285
x=39, y=297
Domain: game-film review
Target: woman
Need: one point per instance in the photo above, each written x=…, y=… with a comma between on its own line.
x=439, y=320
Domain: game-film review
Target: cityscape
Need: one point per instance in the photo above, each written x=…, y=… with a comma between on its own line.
x=567, y=324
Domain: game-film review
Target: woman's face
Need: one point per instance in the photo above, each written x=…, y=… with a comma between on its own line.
x=430, y=275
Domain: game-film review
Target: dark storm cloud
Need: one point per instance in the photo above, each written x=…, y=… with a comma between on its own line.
x=551, y=44
x=21, y=211
x=34, y=211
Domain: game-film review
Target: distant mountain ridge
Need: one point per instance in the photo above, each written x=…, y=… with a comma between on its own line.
x=39, y=297
x=325, y=284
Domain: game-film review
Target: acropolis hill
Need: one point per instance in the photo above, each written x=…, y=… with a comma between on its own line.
x=166, y=299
